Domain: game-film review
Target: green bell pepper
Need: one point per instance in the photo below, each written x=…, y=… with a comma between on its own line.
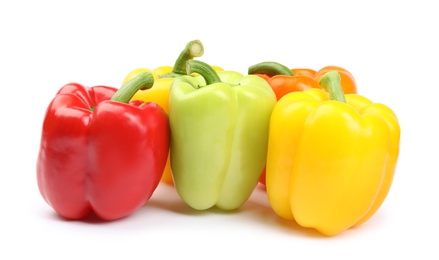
x=219, y=135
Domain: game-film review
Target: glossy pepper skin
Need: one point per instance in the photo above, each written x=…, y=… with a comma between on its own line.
x=99, y=153
x=163, y=77
x=219, y=134
x=331, y=157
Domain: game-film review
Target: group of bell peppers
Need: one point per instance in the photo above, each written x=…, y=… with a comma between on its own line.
x=325, y=154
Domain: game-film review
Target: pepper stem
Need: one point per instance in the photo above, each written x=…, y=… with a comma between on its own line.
x=204, y=69
x=331, y=82
x=142, y=81
x=193, y=49
x=270, y=68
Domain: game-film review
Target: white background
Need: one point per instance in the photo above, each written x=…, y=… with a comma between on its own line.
x=391, y=48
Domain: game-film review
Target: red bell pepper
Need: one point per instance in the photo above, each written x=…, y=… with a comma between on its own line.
x=99, y=153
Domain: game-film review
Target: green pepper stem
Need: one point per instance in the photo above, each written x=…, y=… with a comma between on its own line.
x=193, y=49
x=331, y=82
x=142, y=81
x=270, y=68
x=204, y=69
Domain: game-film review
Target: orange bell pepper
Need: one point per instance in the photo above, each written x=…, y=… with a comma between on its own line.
x=284, y=80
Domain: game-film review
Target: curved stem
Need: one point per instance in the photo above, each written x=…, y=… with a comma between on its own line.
x=142, y=81
x=331, y=82
x=270, y=68
x=193, y=49
x=204, y=69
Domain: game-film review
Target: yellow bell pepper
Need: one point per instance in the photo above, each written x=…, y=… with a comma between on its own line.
x=159, y=94
x=163, y=78
x=331, y=157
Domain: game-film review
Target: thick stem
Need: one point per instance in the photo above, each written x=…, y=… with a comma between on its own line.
x=331, y=82
x=204, y=69
x=270, y=68
x=142, y=81
x=193, y=49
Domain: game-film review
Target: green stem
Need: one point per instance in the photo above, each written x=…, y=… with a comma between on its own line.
x=193, y=49
x=142, y=81
x=331, y=82
x=270, y=68
x=204, y=69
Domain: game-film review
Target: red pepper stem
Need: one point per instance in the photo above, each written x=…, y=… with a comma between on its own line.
x=142, y=81
x=193, y=49
x=204, y=69
x=331, y=82
x=270, y=68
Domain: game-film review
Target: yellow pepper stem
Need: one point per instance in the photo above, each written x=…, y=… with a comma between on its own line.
x=270, y=68
x=204, y=69
x=331, y=82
